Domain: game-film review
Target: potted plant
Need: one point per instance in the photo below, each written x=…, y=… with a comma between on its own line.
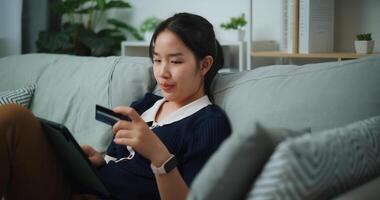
x=148, y=26
x=234, y=29
x=80, y=34
x=364, y=43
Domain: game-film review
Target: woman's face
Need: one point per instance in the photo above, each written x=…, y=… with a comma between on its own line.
x=176, y=70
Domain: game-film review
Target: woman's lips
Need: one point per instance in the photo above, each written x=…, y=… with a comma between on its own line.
x=167, y=87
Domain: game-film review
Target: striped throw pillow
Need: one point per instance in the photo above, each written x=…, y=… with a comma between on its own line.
x=22, y=96
x=231, y=170
x=322, y=165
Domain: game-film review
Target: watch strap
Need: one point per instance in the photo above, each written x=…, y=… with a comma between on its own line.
x=166, y=167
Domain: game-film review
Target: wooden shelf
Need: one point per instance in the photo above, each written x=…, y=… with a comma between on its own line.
x=334, y=55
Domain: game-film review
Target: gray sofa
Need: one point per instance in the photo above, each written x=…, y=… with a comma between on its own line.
x=320, y=98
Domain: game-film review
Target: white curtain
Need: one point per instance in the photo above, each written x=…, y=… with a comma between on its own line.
x=10, y=27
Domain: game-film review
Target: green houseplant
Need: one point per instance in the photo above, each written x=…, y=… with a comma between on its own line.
x=234, y=28
x=364, y=36
x=235, y=23
x=79, y=36
x=148, y=26
x=364, y=43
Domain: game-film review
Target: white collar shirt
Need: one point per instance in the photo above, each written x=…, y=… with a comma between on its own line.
x=183, y=112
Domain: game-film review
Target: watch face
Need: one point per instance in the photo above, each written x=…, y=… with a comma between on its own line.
x=171, y=164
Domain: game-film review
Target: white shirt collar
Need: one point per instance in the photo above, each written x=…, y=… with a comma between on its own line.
x=184, y=111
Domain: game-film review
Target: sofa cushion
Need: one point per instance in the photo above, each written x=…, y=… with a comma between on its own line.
x=70, y=86
x=68, y=90
x=131, y=79
x=231, y=171
x=21, y=70
x=22, y=96
x=369, y=190
x=322, y=165
x=320, y=96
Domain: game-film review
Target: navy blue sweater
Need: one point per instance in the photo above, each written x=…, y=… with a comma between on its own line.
x=192, y=140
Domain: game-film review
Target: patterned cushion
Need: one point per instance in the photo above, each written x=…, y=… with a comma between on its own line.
x=322, y=165
x=22, y=96
x=232, y=169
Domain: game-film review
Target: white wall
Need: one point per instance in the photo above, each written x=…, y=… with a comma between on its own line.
x=267, y=14
x=267, y=20
x=10, y=27
x=351, y=17
x=216, y=11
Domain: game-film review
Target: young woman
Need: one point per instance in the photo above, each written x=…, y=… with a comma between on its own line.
x=159, y=152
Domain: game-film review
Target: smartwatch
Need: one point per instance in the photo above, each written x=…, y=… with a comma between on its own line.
x=165, y=168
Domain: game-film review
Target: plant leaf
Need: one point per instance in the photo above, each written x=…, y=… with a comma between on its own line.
x=103, y=43
x=100, y=4
x=149, y=24
x=105, y=6
x=108, y=32
x=69, y=6
x=54, y=42
x=75, y=38
x=117, y=4
x=235, y=22
x=129, y=28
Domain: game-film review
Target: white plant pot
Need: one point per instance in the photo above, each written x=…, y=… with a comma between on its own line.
x=232, y=35
x=364, y=47
x=148, y=35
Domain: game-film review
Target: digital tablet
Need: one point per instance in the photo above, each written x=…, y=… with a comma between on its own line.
x=76, y=164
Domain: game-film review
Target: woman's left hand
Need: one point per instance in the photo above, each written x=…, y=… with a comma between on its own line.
x=136, y=133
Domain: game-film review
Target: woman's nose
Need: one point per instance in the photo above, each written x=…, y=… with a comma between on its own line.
x=164, y=70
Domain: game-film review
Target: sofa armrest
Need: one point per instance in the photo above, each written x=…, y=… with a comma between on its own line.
x=367, y=191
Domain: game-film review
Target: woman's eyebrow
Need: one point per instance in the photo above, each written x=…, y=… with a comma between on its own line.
x=175, y=54
x=169, y=55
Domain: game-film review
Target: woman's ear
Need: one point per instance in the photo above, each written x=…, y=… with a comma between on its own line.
x=206, y=64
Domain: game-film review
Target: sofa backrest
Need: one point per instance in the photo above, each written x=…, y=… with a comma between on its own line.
x=19, y=71
x=317, y=96
x=68, y=87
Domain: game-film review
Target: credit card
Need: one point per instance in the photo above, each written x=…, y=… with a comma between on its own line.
x=108, y=116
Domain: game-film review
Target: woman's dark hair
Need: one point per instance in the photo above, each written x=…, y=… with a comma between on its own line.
x=198, y=35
